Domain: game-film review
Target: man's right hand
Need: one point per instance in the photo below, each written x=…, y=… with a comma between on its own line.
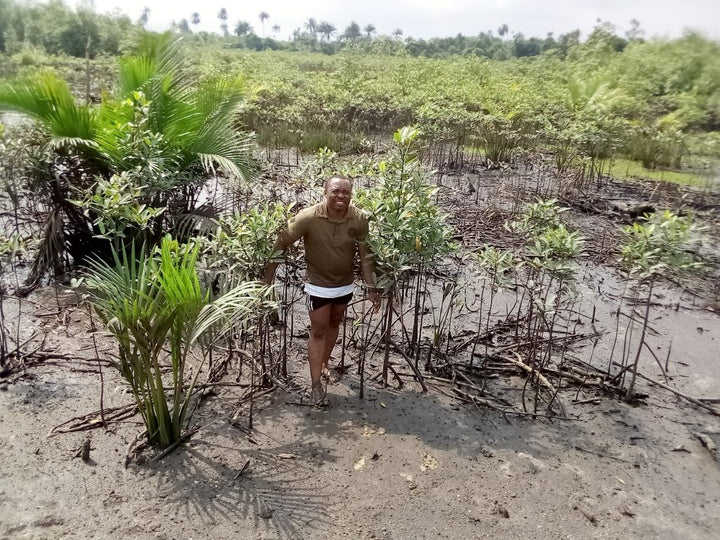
x=376, y=299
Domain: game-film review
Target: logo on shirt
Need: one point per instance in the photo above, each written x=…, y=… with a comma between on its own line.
x=352, y=232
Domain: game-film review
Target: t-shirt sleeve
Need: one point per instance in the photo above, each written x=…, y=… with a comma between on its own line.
x=363, y=229
x=297, y=226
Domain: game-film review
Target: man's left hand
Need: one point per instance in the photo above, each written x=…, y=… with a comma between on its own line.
x=376, y=299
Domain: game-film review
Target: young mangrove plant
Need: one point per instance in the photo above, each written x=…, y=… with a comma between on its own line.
x=407, y=230
x=495, y=265
x=551, y=252
x=662, y=246
x=239, y=250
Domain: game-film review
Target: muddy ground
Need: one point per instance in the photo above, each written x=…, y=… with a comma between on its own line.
x=396, y=463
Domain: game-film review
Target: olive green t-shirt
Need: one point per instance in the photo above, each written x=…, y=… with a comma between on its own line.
x=330, y=246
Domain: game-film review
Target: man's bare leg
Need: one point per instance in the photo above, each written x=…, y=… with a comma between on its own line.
x=324, y=329
x=331, y=335
x=317, y=344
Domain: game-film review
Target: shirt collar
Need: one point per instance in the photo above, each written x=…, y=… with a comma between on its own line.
x=322, y=211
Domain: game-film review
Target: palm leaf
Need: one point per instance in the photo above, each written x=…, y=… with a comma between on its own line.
x=48, y=100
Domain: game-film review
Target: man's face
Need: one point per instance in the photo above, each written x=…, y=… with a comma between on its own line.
x=338, y=192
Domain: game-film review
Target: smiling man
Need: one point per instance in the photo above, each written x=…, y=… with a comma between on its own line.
x=333, y=231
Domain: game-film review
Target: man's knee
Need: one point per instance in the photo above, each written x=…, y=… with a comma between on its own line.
x=318, y=330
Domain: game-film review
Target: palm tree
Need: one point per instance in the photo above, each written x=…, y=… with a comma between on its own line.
x=311, y=26
x=144, y=16
x=195, y=20
x=369, y=29
x=397, y=33
x=242, y=28
x=276, y=29
x=223, y=16
x=263, y=17
x=164, y=129
x=503, y=29
x=326, y=29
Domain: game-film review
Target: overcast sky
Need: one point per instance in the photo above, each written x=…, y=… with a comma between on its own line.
x=437, y=18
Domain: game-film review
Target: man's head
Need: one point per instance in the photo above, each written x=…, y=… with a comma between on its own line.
x=338, y=191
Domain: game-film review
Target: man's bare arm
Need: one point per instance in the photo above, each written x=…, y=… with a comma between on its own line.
x=367, y=266
x=281, y=244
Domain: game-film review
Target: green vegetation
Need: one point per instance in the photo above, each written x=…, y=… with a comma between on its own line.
x=152, y=147
x=661, y=247
x=158, y=148
x=629, y=170
x=154, y=302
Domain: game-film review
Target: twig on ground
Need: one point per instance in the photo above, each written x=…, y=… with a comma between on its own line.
x=691, y=399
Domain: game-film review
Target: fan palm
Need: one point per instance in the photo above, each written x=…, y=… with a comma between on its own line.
x=174, y=131
x=153, y=303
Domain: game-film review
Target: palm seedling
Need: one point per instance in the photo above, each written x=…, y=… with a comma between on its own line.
x=153, y=302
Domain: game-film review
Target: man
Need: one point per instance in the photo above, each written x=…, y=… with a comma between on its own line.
x=333, y=231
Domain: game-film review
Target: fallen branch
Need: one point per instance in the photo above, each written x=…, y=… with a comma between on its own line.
x=411, y=363
x=691, y=399
x=547, y=384
x=94, y=419
x=600, y=454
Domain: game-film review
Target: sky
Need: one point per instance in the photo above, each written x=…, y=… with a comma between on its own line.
x=435, y=18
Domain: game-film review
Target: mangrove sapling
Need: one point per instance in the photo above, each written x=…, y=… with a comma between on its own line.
x=239, y=251
x=118, y=207
x=551, y=252
x=152, y=302
x=495, y=265
x=407, y=230
x=661, y=246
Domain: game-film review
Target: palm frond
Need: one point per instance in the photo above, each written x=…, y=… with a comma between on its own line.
x=234, y=307
x=135, y=72
x=48, y=100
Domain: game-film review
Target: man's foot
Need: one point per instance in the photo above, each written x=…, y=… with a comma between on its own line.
x=325, y=374
x=318, y=393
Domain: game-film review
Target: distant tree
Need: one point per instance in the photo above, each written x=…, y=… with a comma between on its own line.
x=352, y=32
x=312, y=26
x=326, y=29
x=526, y=47
x=81, y=32
x=503, y=29
x=397, y=33
x=369, y=30
x=276, y=29
x=195, y=20
x=242, y=28
x=568, y=41
x=144, y=16
x=263, y=17
x=635, y=33
x=549, y=43
x=183, y=26
x=223, y=16
x=604, y=38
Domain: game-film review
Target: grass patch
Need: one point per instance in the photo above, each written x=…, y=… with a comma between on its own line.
x=626, y=169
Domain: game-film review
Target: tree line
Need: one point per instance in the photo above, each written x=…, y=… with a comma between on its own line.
x=56, y=28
